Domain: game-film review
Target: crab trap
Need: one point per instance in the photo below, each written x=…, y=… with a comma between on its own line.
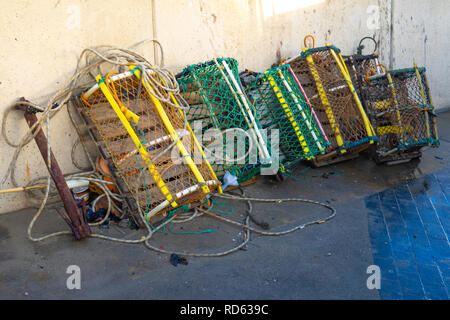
x=324, y=76
x=151, y=150
x=280, y=104
x=222, y=115
x=400, y=108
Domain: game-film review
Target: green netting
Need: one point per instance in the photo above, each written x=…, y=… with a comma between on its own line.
x=217, y=101
x=281, y=105
x=398, y=103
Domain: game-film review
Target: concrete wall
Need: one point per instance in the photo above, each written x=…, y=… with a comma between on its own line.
x=42, y=39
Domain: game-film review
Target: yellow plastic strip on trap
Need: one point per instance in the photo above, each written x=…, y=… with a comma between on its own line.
x=424, y=99
x=289, y=115
x=346, y=75
x=195, y=139
x=300, y=108
x=172, y=132
x=325, y=102
x=159, y=181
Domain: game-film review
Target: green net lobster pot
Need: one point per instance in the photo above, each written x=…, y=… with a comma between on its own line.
x=281, y=105
x=220, y=109
x=324, y=76
x=399, y=105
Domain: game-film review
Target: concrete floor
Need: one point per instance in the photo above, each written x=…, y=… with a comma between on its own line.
x=326, y=261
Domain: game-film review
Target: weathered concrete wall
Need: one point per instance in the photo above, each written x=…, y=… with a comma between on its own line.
x=42, y=39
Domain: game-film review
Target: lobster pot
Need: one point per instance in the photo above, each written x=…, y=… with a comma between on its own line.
x=154, y=152
x=219, y=109
x=400, y=107
x=326, y=81
x=281, y=105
